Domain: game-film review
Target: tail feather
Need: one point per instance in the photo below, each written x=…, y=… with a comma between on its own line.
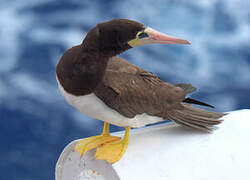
x=201, y=112
x=189, y=88
x=185, y=123
x=194, y=101
x=196, y=118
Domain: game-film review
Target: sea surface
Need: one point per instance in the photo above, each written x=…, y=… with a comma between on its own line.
x=36, y=122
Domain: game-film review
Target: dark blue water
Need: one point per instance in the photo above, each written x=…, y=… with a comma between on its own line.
x=35, y=121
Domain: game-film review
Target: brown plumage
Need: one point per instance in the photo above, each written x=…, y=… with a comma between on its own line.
x=131, y=90
x=93, y=67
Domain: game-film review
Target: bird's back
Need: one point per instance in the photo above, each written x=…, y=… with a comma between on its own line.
x=131, y=90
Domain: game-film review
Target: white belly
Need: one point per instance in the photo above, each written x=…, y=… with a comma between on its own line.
x=92, y=106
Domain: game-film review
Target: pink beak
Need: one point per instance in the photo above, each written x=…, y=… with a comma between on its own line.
x=156, y=37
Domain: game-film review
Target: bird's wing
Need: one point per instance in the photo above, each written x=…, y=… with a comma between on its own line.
x=131, y=90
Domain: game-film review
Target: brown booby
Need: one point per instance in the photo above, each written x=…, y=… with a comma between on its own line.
x=101, y=85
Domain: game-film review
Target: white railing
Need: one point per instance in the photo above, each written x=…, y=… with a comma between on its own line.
x=170, y=152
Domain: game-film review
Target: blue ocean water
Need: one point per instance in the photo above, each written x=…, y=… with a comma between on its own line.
x=35, y=121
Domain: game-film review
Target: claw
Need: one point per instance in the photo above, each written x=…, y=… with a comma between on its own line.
x=113, y=151
x=89, y=143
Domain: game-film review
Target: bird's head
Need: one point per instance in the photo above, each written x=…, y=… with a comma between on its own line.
x=119, y=35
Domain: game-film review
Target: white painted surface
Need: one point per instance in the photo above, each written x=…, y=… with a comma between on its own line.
x=92, y=106
x=170, y=152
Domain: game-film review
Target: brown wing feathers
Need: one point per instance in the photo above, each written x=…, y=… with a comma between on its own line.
x=132, y=90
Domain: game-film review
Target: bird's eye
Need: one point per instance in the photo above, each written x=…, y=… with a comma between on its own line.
x=143, y=35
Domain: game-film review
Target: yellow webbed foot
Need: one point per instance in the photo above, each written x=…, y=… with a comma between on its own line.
x=89, y=143
x=113, y=151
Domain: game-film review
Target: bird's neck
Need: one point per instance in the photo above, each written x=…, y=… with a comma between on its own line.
x=105, y=51
x=82, y=73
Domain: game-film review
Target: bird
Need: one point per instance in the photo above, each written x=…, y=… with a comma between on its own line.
x=100, y=84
